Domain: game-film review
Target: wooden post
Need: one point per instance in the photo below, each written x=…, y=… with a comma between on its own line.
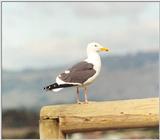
x=49, y=129
x=58, y=120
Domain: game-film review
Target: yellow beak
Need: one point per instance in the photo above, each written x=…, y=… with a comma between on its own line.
x=104, y=49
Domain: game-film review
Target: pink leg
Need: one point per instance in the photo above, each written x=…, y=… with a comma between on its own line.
x=85, y=95
x=78, y=101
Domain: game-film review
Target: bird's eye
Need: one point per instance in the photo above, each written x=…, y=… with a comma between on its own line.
x=95, y=45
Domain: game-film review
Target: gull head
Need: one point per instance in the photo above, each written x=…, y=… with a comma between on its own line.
x=96, y=47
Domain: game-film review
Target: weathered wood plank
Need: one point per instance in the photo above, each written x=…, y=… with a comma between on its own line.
x=83, y=124
x=137, y=106
x=101, y=115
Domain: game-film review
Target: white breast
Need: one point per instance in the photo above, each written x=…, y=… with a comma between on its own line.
x=94, y=58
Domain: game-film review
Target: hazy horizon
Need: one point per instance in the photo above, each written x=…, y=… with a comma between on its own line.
x=74, y=62
x=131, y=76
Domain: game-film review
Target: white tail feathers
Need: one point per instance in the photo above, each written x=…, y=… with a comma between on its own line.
x=57, y=89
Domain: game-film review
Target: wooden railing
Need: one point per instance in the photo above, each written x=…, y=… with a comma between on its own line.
x=58, y=120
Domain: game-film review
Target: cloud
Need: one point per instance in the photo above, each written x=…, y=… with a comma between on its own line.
x=37, y=35
x=109, y=9
x=40, y=53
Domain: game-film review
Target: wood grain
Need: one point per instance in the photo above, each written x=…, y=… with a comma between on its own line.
x=49, y=129
x=83, y=124
x=103, y=115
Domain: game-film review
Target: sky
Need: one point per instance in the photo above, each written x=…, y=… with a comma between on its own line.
x=50, y=34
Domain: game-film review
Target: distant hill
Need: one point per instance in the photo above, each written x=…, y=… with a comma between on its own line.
x=130, y=61
x=121, y=77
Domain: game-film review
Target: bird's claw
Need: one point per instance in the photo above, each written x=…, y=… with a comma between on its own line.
x=82, y=102
x=86, y=102
x=78, y=102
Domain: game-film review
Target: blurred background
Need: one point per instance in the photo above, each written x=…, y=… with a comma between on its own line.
x=42, y=39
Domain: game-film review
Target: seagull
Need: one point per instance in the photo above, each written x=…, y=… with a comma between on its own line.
x=82, y=74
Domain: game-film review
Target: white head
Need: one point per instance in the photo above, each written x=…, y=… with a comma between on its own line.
x=95, y=47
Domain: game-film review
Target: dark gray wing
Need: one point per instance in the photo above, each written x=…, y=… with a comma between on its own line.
x=82, y=66
x=79, y=73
